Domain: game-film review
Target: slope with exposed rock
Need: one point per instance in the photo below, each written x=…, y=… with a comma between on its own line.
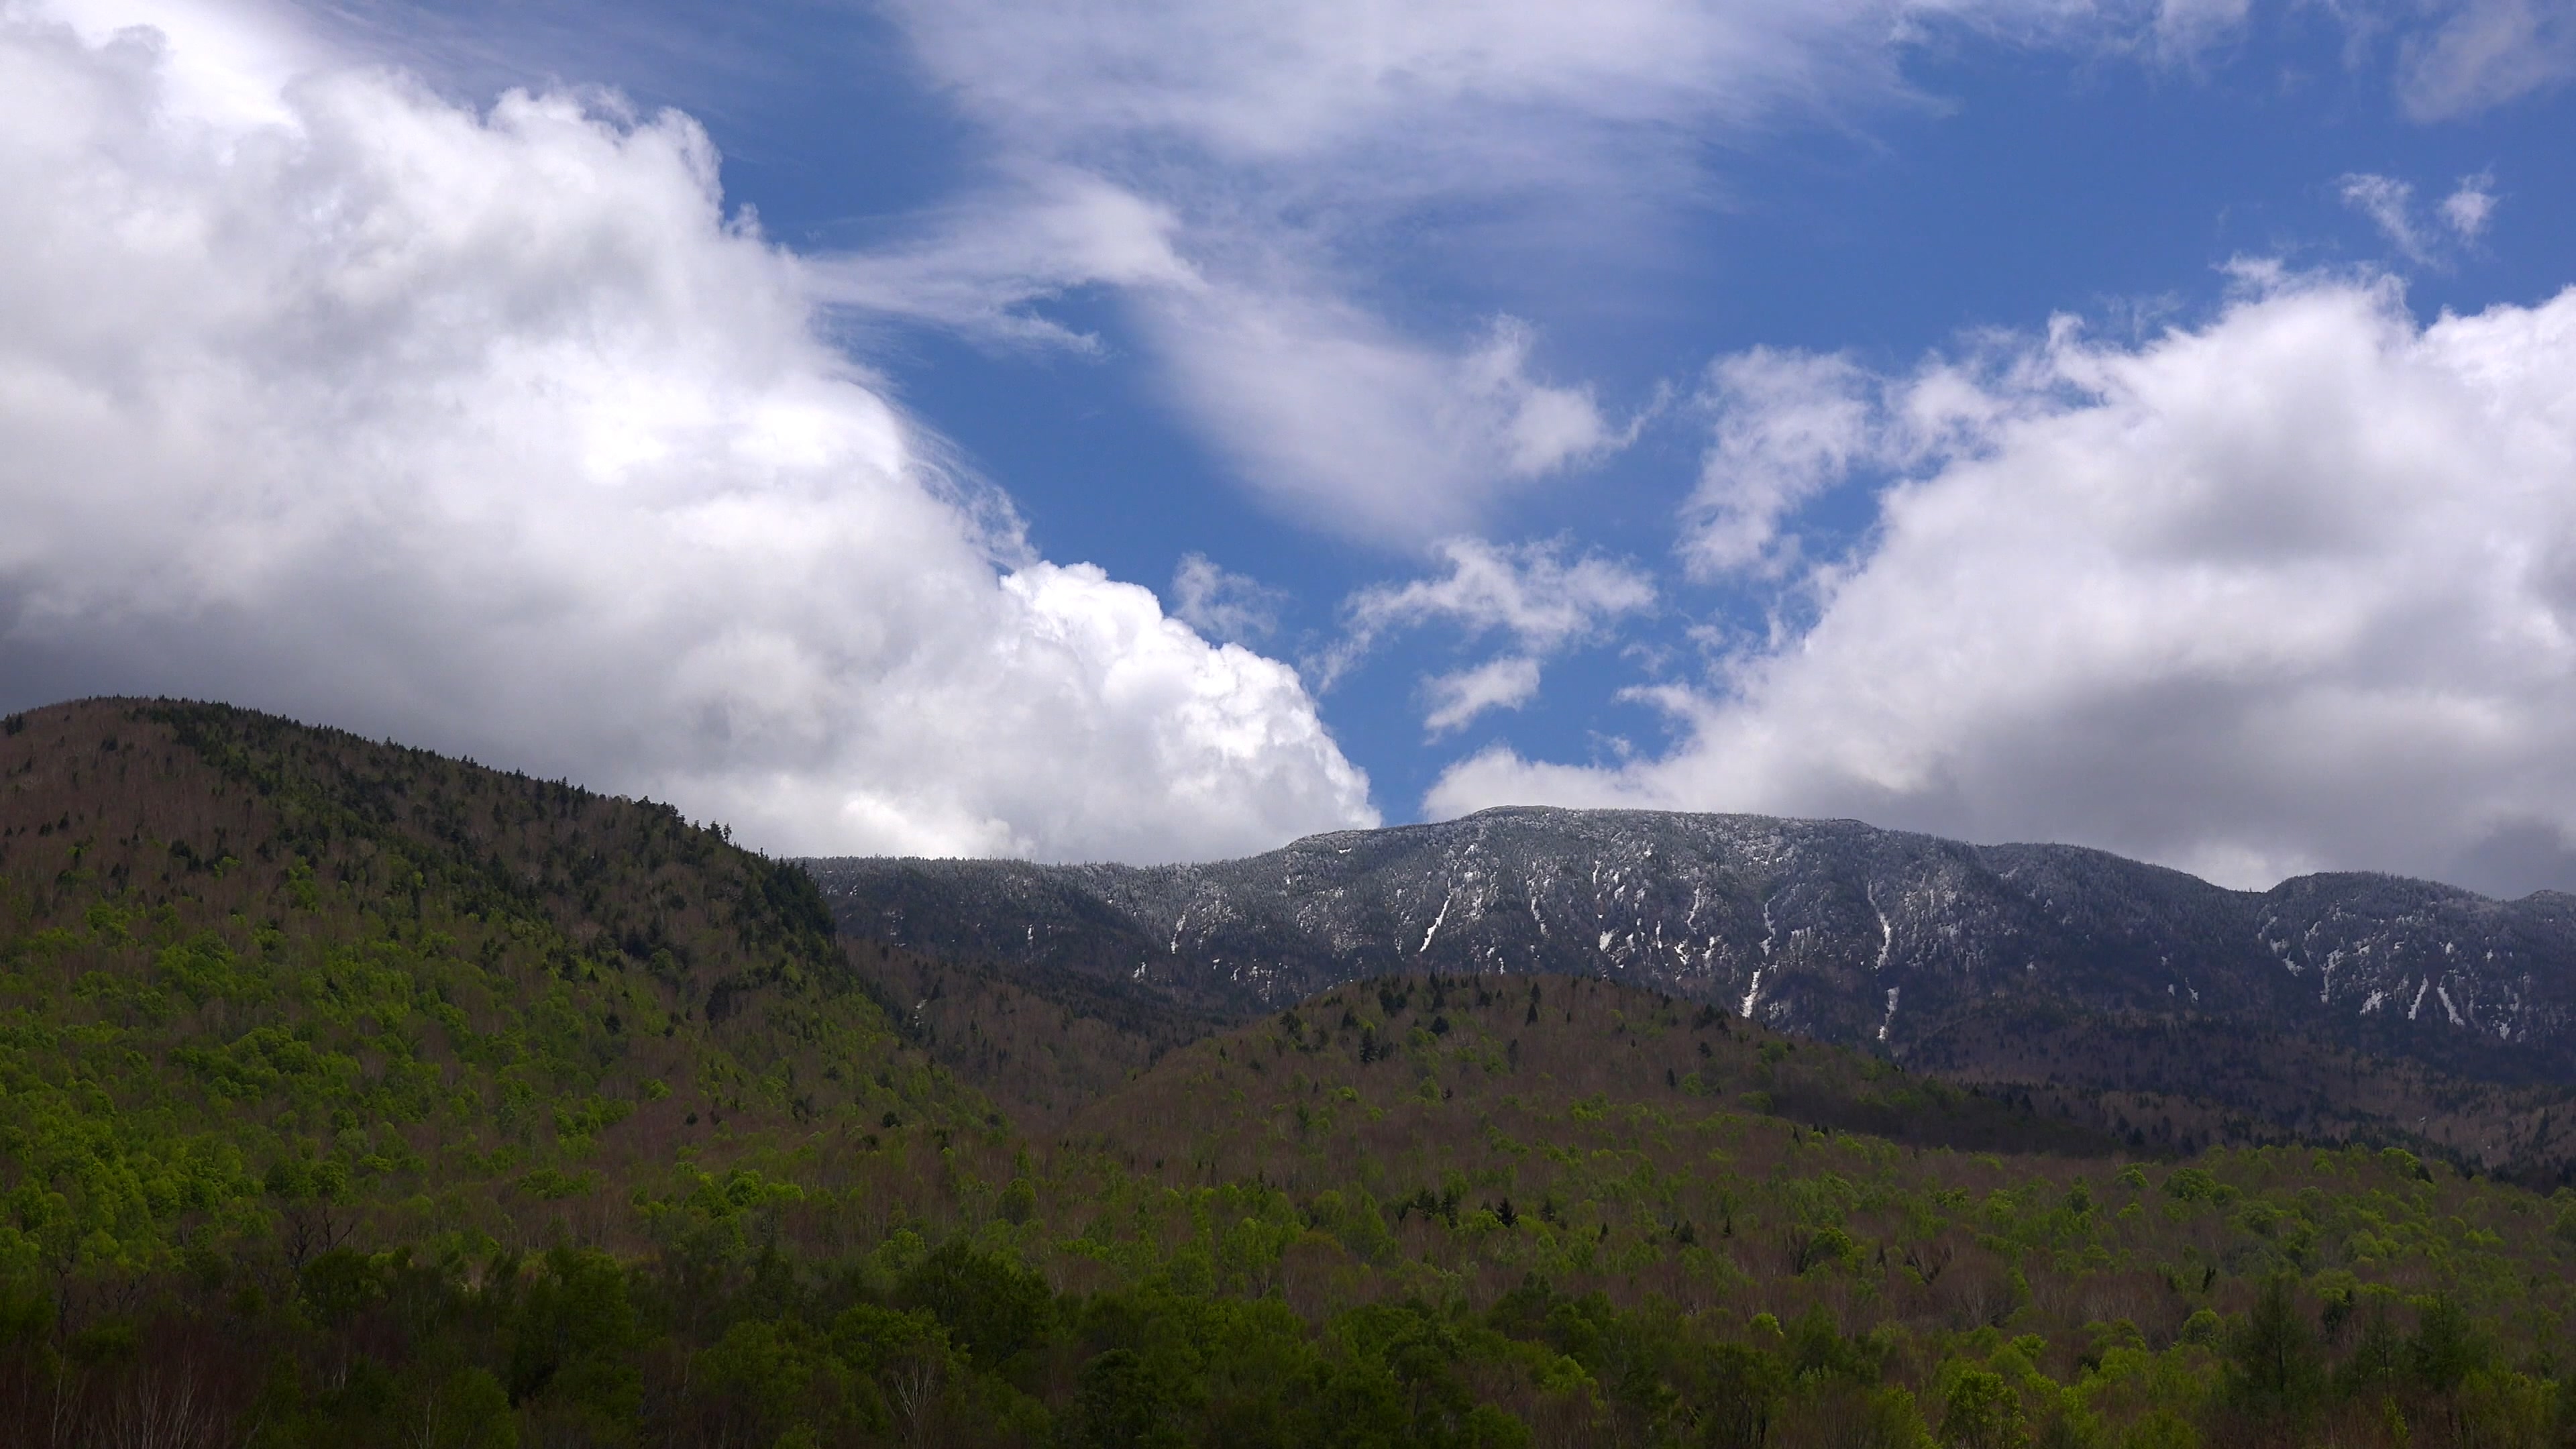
x=1986, y=963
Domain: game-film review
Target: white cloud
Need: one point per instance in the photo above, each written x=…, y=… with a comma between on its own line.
x=981, y=267
x=1456, y=699
x=1789, y=425
x=492, y=432
x=2468, y=209
x=1290, y=151
x=2484, y=53
x=1261, y=84
x=2294, y=589
x=2390, y=205
x=1530, y=594
x=1224, y=605
x=1353, y=428
x=2185, y=28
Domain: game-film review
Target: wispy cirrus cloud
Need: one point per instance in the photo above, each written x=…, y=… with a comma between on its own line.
x=1223, y=605
x=2479, y=54
x=2425, y=239
x=2422, y=235
x=1288, y=152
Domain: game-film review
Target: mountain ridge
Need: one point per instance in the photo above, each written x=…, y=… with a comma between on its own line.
x=1895, y=942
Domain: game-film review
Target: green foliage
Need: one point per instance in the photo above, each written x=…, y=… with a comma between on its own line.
x=1124, y=1402
x=2448, y=1347
x=1982, y=1412
x=407, y=1104
x=253, y=974
x=995, y=1308
x=2274, y=1367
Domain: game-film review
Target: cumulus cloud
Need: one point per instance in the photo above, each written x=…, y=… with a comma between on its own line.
x=2295, y=588
x=1532, y=595
x=492, y=431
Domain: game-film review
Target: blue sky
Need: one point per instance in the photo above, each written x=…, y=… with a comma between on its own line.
x=2009, y=418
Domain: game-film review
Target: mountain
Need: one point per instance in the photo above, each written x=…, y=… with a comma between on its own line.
x=353, y=1095
x=2330, y=1005
x=249, y=966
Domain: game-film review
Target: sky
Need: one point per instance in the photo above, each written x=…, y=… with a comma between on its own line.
x=1137, y=430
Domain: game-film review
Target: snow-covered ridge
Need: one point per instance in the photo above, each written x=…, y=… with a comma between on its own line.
x=1822, y=926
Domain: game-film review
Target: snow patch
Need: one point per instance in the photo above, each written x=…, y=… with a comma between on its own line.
x=1435, y=923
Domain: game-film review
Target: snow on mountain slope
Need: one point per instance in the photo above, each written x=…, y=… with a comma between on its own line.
x=1858, y=935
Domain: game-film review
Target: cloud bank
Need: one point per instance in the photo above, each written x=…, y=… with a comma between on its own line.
x=2294, y=589
x=492, y=431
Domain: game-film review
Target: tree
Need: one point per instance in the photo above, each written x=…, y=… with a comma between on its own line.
x=1982, y=1412
x=2379, y=1360
x=1742, y=1389
x=575, y=1336
x=467, y=1409
x=992, y=1307
x=1121, y=1402
x=2274, y=1367
x=2447, y=1347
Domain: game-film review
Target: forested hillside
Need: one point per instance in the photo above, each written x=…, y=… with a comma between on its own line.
x=250, y=969
x=349, y=1095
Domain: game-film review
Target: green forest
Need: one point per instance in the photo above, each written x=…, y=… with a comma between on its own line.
x=354, y=1095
